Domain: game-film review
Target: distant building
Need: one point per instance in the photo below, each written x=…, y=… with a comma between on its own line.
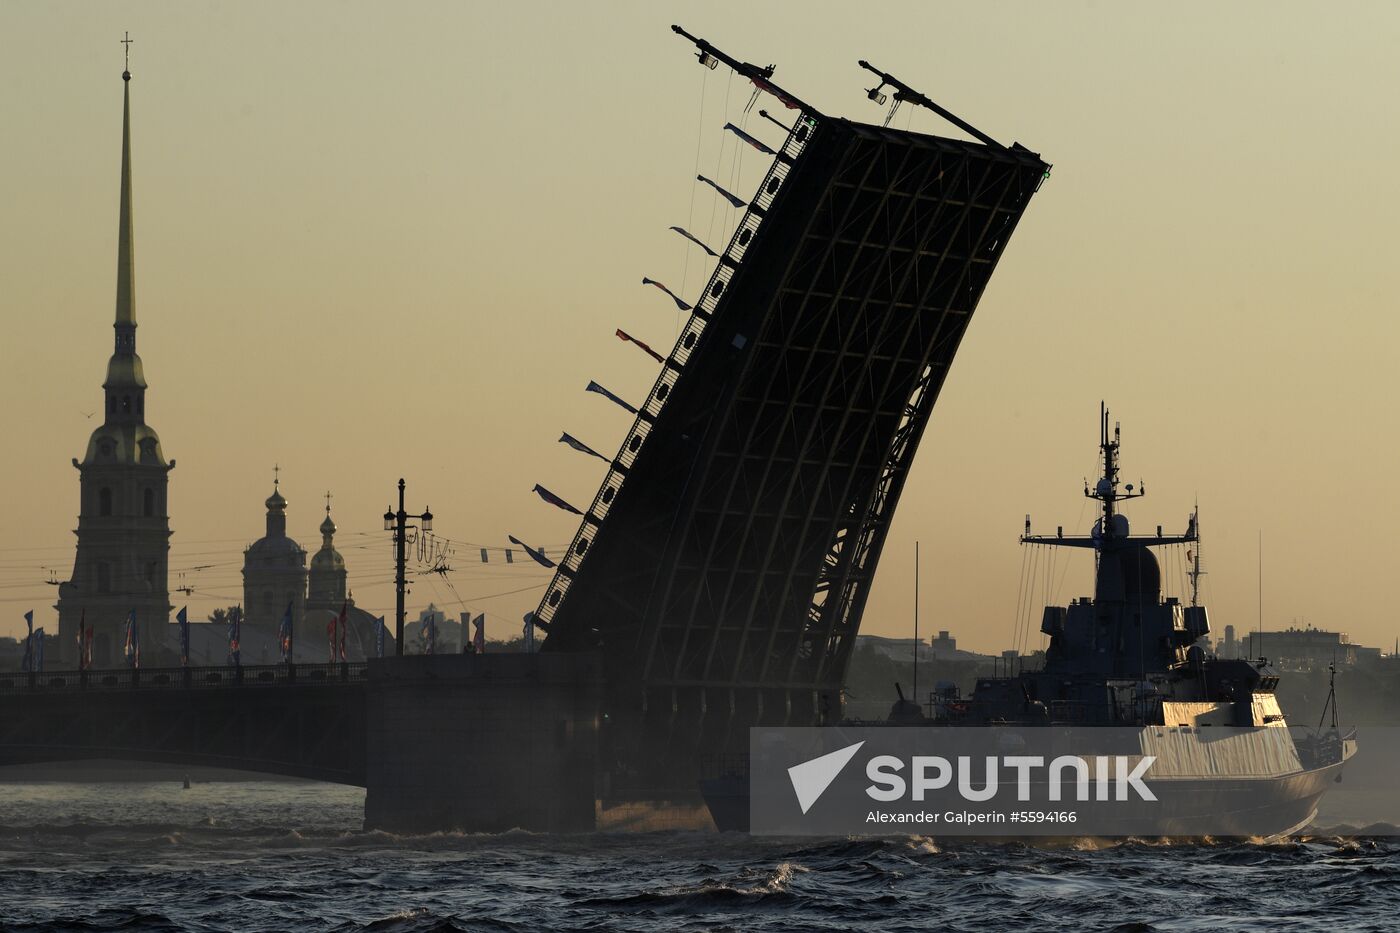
x=274, y=573
x=942, y=648
x=1303, y=648
x=276, y=576
x=121, y=566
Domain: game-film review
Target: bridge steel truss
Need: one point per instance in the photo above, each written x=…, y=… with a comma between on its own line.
x=306, y=722
x=724, y=564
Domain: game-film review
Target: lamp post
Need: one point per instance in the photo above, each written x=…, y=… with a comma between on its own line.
x=397, y=522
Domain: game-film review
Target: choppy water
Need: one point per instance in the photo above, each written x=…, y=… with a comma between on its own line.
x=274, y=856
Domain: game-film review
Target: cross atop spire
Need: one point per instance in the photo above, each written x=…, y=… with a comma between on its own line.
x=126, y=55
x=276, y=475
x=328, y=502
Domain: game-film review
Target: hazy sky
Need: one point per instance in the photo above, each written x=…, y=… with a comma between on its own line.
x=376, y=240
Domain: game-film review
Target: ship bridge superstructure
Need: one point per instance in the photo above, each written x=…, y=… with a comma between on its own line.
x=1129, y=628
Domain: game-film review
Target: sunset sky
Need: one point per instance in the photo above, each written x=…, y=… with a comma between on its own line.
x=384, y=240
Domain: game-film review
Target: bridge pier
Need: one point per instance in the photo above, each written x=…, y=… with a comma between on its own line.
x=482, y=743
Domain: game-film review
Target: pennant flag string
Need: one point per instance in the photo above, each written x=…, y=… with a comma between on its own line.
x=623, y=335
x=752, y=141
x=537, y=556
x=594, y=387
x=554, y=500
x=674, y=297
x=580, y=446
x=734, y=201
x=696, y=240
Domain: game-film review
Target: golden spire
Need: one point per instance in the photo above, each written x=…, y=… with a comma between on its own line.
x=126, y=268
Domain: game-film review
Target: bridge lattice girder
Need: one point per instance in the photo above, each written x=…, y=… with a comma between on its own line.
x=733, y=542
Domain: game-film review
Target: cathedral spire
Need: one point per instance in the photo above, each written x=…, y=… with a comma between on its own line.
x=126, y=266
x=126, y=380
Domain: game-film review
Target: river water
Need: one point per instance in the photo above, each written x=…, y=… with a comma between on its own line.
x=292, y=856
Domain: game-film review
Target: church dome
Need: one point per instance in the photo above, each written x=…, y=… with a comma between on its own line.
x=327, y=559
x=276, y=500
x=328, y=526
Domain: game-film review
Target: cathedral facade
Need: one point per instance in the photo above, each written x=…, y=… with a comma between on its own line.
x=121, y=566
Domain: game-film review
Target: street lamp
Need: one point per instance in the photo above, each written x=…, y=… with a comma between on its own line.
x=398, y=523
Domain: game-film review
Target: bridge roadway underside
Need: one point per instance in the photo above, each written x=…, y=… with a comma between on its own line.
x=474, y=743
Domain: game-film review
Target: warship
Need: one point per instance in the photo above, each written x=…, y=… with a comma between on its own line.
x=1137, y=662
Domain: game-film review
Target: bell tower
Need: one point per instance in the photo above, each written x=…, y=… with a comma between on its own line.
x=123, y=526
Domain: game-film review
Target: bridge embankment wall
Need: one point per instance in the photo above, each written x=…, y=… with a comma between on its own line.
x=483, y=743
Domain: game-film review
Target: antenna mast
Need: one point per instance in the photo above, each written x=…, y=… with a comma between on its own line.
x=1195, y=556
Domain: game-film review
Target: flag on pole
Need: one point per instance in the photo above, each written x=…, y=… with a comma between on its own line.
x=183, y=619
x=479, y=638
x=235, y=622
x=623, y=335
x=430, y=633
x=554, y=500
x=82, y=640
x=576, y=444
x=756, y=143
x=132, y=648
x=27, y=663
x=379, y=629
x=594, y=387
x=529, y=632
x=284, y=635
x=674, y=297
x=331, y=638
x=696, y=240
x=344, y=626
x=734, y=201
x=87, y=650
x=39, y=651
x=538, y=556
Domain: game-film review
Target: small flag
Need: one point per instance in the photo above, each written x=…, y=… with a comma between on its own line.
x=39, y=651
x=331, y=638
x=133, y=642
x=756, y=143
x=82, y=639
x=538, y=556
x=529, y=632
x=594, y=387
x=782, y=98
x=696, y=240
x=87, y=650
x=183, y=619
x=235, y=623
x=623, y=335
x=479, y=639
x=284, y=635
x=27, y=663
x=576, y=444
x=554, y=500
x=734, y=201
x=674, y=297
x=344, y=625
x=429, y=634
x=379, y=629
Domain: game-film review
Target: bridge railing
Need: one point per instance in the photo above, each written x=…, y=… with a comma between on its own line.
x=184, y=678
